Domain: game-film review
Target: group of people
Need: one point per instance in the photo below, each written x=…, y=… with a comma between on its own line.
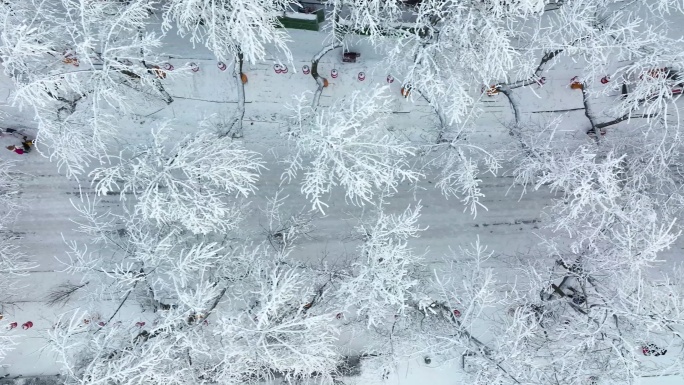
x=26, y=325
x=653, y=350
x=26, y=143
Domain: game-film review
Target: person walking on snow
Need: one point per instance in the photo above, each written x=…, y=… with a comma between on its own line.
x=26, y=146
x=15, y=149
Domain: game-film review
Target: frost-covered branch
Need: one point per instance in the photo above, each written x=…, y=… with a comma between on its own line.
x=385, y=278
x=188, y=183
x=348, y=144
x=230, y=28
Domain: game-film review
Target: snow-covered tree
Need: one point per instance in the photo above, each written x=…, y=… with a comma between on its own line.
x=227, y=308
x=594, y=298
x=281, y=333
x=459, y=165
x=230, y=28
x=76, y=63
x=386, y=273
x=230, y=316
x=443, y=49
x=626, y=45
x=190, y=182
x=284, y=228
x=350, y=145
x=224, y=310
x=441, y=320
x=234, y=31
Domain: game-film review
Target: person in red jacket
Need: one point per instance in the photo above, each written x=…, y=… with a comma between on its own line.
x=26, y=146
x=16, y=149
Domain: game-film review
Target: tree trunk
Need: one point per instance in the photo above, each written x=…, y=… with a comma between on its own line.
x=235, y=129
x=166, y=97
x=320, y=81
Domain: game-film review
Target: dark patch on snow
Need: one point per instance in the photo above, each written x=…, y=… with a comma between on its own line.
x=34, y=380
x=516, y=222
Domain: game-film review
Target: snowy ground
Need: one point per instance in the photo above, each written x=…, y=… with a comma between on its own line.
x=510, y=227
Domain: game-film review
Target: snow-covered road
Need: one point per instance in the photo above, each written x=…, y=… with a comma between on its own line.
x=510, y=227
